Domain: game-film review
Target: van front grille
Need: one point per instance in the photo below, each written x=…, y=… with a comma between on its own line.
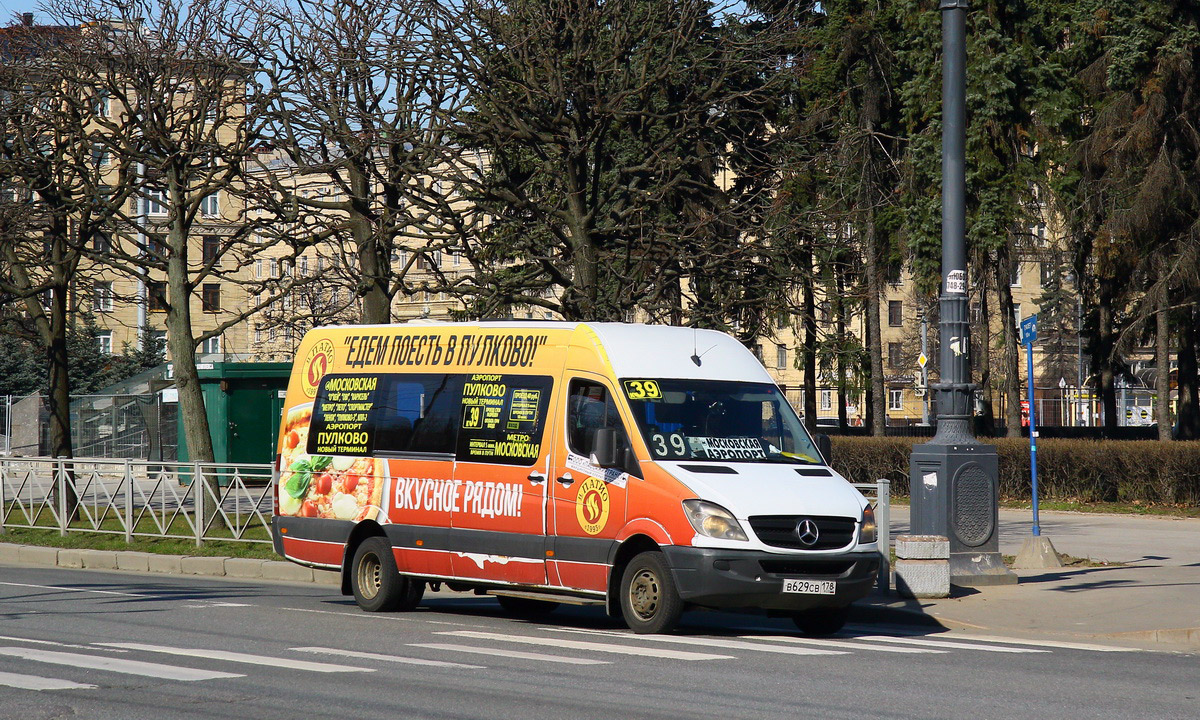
x=780, y=531
x=832, y=568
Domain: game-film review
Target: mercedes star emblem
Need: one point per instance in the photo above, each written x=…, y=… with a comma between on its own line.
x=807, y=531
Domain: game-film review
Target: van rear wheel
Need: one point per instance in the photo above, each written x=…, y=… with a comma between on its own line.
x=650, y=601
x=377, y=584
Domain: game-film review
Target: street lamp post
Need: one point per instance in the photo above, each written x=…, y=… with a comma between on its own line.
x=954, y=479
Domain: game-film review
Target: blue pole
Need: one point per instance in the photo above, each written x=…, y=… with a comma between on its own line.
x=1037, y=529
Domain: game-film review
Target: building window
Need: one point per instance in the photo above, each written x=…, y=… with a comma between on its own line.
x=1016, y=274
x=158, y=340
x=976, y=312
x=101, y=104
x=104, y=337
x=211, y=248
x=758, y=352
x=101, y=243
x=156, y=202
x=894, y=353
x=258, y=336
x=1049, y=275
x=895, y=313
x=102, y=297
x=100, y=156
x=823, y=312
x=826, y=399
x=211, y=346
x=210, y=297
x=781, y=357
x=157, y=294
x=274, y=267
x=210, y=206
x=258, y=269
x=303, y=264
x=895, y=399
x=1017, y=317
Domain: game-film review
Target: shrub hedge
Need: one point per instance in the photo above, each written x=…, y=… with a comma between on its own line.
x=1083, y=471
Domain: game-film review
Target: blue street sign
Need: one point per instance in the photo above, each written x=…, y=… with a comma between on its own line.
x=1029, y=330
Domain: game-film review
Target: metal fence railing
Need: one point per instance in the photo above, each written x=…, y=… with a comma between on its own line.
x=135, y=498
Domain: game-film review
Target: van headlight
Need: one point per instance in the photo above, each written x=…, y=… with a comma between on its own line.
x=868, y=532
x=712, y=520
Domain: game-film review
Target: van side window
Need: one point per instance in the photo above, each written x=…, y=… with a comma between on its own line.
x=503, y=417
x=589, y=408
x=416, y=413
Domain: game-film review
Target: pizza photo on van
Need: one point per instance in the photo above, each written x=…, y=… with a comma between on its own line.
x=323, y=486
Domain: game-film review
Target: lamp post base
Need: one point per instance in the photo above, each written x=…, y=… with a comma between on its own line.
x=979, y=569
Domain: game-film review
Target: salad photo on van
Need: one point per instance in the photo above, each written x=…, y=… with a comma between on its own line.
x=647, y=469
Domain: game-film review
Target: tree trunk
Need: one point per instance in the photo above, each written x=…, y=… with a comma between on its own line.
x=876, y=386
x=1010, y=364
x=984, y=348
x=376, y=302
x=840, y=309
x=1162, y=357
x=808, y=320
x=59, y=399
x=1103, y=361
x=1189, y=377
x=182, y=346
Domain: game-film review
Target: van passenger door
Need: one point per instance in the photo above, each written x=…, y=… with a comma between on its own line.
x=501, y=469
x=589, y=501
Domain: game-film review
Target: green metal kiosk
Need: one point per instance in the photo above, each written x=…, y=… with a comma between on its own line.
x=244, y=401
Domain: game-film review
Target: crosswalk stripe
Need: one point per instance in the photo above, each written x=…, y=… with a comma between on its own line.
x=944, y=644
x=1041, y=643
x=119, y=665
x=842, y=644
x=510, y=653
x=385, y=658
x=241, y=658
x=595, y=647
x=31, y=641
x=33, y=682
x=719, y=643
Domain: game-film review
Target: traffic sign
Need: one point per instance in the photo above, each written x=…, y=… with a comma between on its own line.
x=1029, y=330
x=922, y=360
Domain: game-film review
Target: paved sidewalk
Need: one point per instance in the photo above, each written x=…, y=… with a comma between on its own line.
x=1152, y=598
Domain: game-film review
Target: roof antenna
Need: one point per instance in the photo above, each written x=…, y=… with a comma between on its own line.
x=696, y=354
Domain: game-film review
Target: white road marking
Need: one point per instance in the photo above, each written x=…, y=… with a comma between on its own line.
x=944, y=644
x=385, y=658
x=119, y=665
x=841, y=644
x=74, y=589
x=718, y=643
x=240, y=657
x=57, y=644
x=1040, y=643
x=595, y=647
x=510, y=653
x=33, y=682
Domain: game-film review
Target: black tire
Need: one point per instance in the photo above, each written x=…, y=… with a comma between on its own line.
x=650, y=601
x=378, y=586
x=820, y=622
x=526, y=607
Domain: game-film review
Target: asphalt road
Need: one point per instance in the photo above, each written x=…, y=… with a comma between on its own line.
x=94, y=645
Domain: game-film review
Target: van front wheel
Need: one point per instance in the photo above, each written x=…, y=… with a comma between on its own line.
x=649, y=600
x=378, y=586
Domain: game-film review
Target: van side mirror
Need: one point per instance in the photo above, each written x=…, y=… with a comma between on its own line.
x=605, y=448
x=825, y=446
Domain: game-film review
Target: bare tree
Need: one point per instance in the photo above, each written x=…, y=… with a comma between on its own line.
x=184, y=119
x=364, y=90
x=58, y=195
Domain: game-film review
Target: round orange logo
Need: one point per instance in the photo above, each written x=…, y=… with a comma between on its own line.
x=591, y=505
x=316, y=364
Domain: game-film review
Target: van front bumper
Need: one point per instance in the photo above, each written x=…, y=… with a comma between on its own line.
x=733, y=579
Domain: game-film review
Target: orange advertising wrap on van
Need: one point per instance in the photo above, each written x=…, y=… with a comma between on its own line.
x=560, y=462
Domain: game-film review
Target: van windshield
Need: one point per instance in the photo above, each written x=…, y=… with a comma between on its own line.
x=718, y=420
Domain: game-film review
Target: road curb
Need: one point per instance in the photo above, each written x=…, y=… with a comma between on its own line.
x=130, y=560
